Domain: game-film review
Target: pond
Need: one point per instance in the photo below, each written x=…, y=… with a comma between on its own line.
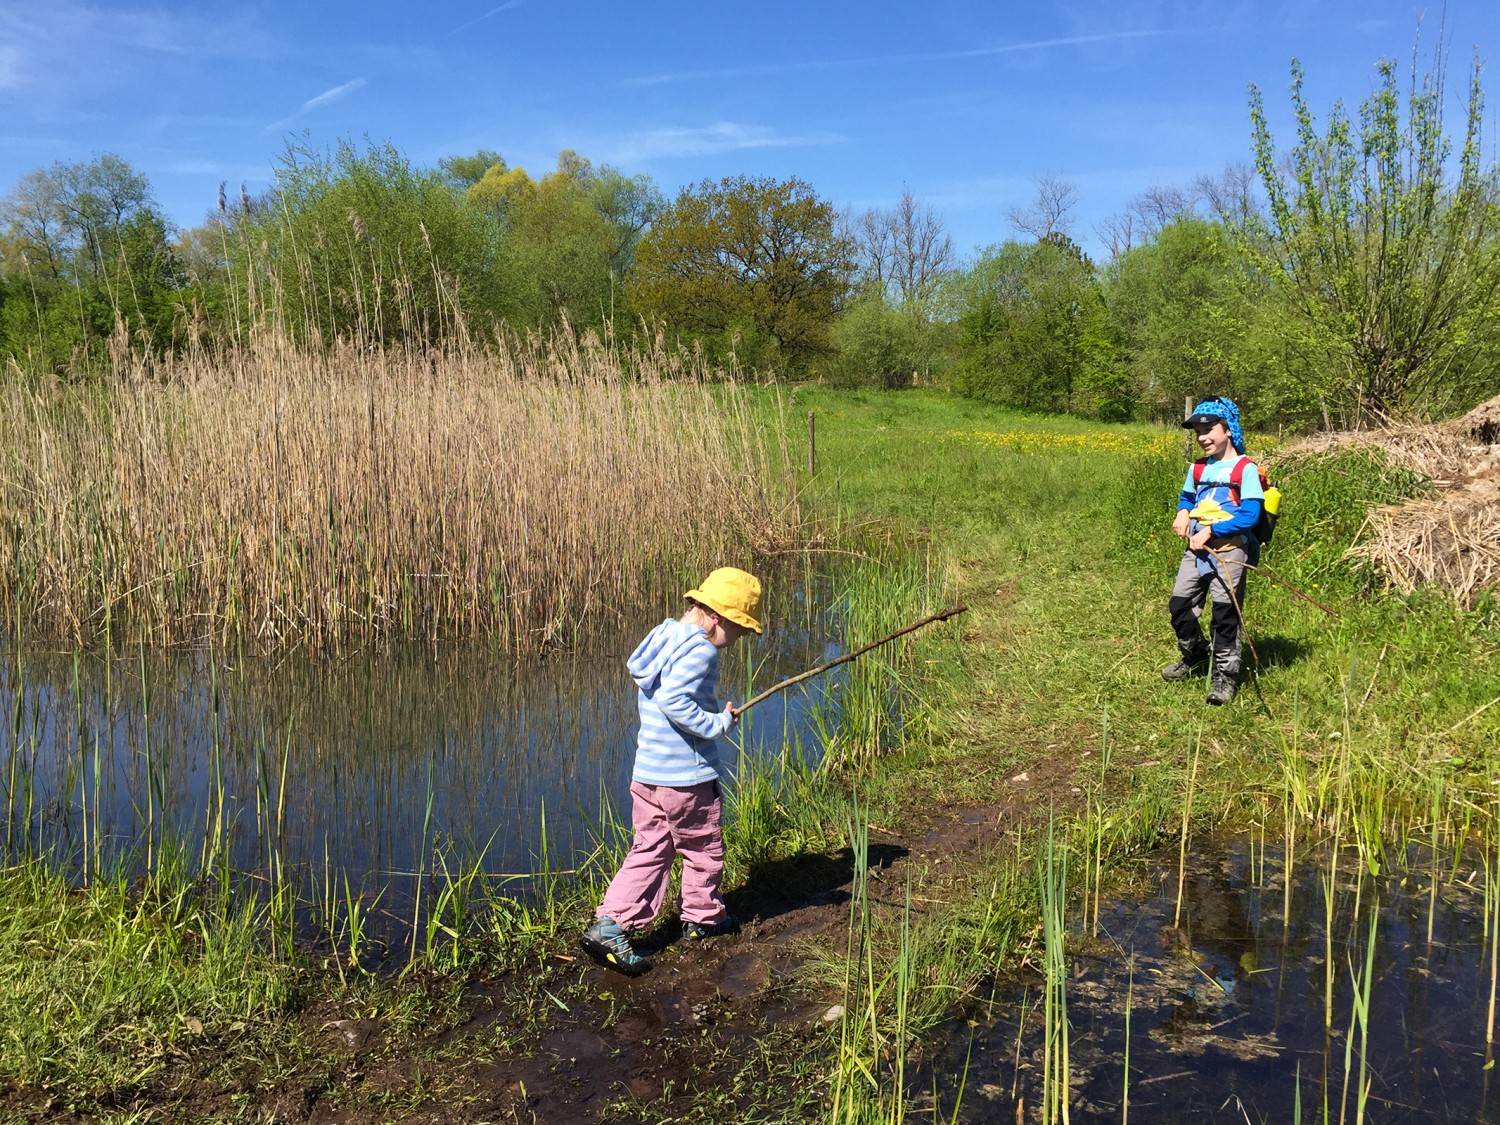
x=1238, y=1006
x=354, y=774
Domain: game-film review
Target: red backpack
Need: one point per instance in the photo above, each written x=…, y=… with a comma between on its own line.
x=1264, y=527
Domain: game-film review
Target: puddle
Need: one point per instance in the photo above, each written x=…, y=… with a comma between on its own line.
x=1227, y=1006
x=361, y=776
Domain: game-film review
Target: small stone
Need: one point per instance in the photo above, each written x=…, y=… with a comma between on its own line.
x=834, y=1014
x=1020, y=778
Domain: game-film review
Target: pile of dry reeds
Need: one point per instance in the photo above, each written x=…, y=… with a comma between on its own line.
x=1434, y=452
x=1482, y=424
x=1453, y=539
x=286, y=497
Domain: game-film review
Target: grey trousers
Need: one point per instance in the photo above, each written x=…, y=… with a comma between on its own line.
x=1192, y=590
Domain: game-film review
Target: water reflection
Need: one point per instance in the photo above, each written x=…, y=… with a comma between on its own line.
x=1227, y=1009
x=357, y=766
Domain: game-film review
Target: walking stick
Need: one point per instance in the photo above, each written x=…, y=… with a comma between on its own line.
x=941, y=615
x=1279, y=581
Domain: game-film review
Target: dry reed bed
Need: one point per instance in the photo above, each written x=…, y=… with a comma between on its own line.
x=1451, y=540
x=286, y=498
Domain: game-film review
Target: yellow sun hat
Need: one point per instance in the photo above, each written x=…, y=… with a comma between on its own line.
x=731, y=593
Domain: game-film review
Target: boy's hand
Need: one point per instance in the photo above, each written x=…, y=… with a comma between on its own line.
x=734, y=716
x=1200, y=538
x=1180, y=524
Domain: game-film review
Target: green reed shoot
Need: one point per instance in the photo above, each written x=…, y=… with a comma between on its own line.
x=1359, y=1022
x=1052, y=883
x=1187, y=816
x=1125, y=1079
x=1492, y=912
x=870, y=1079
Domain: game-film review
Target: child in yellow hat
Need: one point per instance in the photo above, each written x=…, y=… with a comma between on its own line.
x=676, y=803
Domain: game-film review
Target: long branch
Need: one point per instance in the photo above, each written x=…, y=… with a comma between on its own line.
x=941, y=615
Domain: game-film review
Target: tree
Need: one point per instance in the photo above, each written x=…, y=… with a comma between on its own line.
x=894, y=327
x=463, y=172
x=754, y=267
x=1034, y=333
x=1195, y=319
x=1051, y=209
x=360, y=244
x=904, y=252
x=91, y=249
x=1389, y=250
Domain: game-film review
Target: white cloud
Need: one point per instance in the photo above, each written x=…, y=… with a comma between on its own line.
x=897, y=60
x=700, y=140
x=332, y=95
x=10, y=66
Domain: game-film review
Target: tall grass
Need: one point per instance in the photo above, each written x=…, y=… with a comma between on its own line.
x=287, y=496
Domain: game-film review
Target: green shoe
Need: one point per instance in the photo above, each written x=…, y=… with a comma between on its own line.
x=606, y=943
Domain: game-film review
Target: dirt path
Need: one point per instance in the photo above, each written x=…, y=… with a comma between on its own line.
x=717, y=1021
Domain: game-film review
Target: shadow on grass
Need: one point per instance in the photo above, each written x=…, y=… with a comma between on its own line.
x=1279, y=652
x=778, y=886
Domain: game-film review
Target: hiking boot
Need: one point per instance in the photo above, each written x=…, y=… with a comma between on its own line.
x=1183, y=670
x=698, y=931
x=607, y=944
x=1222, y=690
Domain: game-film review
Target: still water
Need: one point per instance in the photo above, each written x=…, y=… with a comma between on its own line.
x=359, y=767
x=1229, y=1008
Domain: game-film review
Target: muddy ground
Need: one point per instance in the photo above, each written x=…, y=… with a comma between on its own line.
x=729, y=1028
x=711, y=1022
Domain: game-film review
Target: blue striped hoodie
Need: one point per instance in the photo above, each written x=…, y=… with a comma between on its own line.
x=676, y=669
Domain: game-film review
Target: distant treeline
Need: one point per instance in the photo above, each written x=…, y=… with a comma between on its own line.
x=1351, y=276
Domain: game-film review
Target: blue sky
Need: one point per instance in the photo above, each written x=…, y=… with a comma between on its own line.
x=961, y=102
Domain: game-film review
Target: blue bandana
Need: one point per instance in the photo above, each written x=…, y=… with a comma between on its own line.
x=1230, y=413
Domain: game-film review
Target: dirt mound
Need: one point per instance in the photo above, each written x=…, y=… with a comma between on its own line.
x=1482, y=424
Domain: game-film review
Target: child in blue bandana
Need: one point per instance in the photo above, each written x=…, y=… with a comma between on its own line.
x=1217, y=512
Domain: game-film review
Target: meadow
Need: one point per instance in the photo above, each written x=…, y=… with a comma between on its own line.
x=1362, y=741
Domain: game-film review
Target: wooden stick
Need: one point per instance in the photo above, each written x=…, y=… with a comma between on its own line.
x=1279, y=581
x=941, y=615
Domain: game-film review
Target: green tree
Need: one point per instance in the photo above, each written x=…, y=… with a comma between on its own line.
x=89, y=247
x=1194, y=319
x=557, y=249
x=463, y=172
x=756, y=268
x=358, y=243
x=1034, y=332
x=1387, y=246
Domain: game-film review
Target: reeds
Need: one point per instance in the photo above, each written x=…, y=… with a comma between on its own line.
x=294, y=497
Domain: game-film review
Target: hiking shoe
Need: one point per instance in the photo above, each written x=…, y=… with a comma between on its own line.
x=1183, y=670
x=697, y=931
x=1222, y=690
x=606, y=943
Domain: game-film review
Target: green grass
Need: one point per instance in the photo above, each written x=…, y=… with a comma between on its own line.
x=1372, y=724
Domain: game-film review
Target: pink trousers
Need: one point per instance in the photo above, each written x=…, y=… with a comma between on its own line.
x=669, y=822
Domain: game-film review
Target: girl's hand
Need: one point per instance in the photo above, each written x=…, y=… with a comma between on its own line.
x=734, y=716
